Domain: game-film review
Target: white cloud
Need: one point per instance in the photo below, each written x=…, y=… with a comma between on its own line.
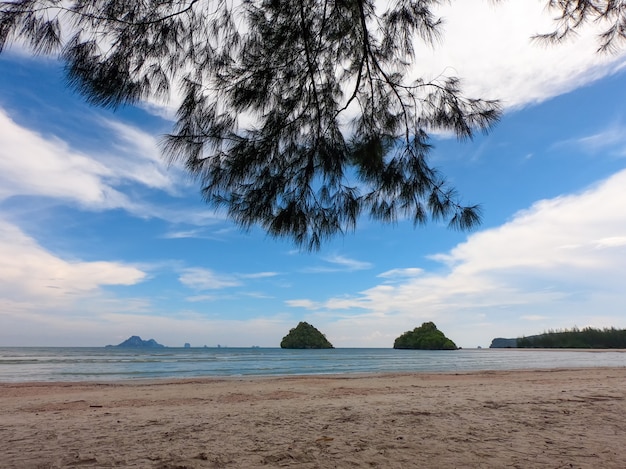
x=136, y=156
x=258, y=295
x=199, y=298
x=402, y=273
x=601, y=140
x=489, y=47
x=256, y=275
x=32, y=165
x=559, y=263
x=610, y=242
x=551, y=235
x=339, y=263
x=184, y=234
x=347, y=263
x=205, y=279
x=37, y=278
x=307, y=304
x=534, y=317
x=199, y=278
x=611, y=141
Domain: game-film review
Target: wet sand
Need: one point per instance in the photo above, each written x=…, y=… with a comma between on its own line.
x=518, y=419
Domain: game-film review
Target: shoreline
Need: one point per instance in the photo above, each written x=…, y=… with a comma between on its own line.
x=270, y=377
x=88, y=365
x=569, y=417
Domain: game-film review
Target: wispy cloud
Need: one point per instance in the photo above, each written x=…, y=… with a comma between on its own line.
x=338, y=263
x=32, y=164
x=611, y=141
x=258, y=295
x=306, y=304
x=402, y=273
x=200, y=298
x=533, y=317
x=557, y=263
x=607, y=138
x=204, y=279
x=255, y=275
x=38, y=277
x=135, y=155
x=349, y=264
x=184, y=234
x=199, y=278
x=210, y=223
x=611, y=242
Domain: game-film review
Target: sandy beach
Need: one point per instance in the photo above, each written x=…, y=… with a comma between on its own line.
x=519, y=419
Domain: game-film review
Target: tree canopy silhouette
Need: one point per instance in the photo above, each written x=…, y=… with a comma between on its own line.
x=574, y=14
x=588, y=337
x=300, y=116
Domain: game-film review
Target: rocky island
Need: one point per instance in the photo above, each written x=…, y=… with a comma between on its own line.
x=425, y=337
x=305, y=336
x=136, y=342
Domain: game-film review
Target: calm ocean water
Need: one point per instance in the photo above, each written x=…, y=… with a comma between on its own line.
x=106, y=364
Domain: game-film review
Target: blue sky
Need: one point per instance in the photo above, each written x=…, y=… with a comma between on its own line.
x=100, y=239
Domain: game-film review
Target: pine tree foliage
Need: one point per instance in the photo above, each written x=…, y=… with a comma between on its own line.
x=296, y=115
x=571, y=15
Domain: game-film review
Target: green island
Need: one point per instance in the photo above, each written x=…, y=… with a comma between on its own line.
x=576, y=338
x=305, y=336
x=425, y=337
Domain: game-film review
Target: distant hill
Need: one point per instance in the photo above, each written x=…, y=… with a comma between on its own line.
x=568, y=338
x=501, y=342
x=136, y=342
x=588, y=337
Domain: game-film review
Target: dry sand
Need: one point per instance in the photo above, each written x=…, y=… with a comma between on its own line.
x=519, y=419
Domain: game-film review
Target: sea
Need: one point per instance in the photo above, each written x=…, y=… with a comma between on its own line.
x=56, y=364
